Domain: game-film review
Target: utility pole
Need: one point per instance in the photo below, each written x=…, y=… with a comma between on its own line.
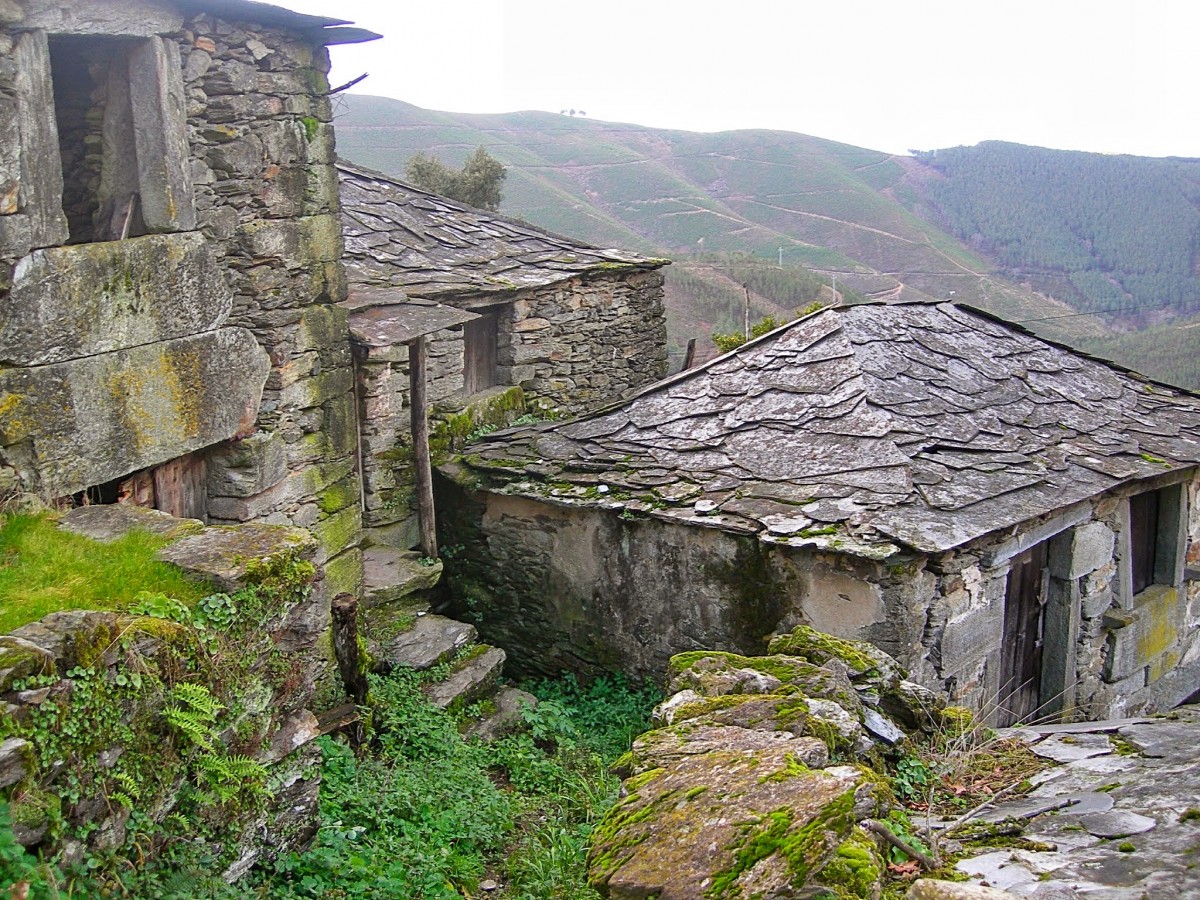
x=835, y=299
x=746, y=314
x=781, y=257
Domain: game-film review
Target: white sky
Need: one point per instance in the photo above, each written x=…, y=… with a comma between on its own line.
x=1116, y=76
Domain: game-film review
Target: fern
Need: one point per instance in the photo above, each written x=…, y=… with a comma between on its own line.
x=198, y=698
x=222, y=778
x=129, y=793
x=196, y=727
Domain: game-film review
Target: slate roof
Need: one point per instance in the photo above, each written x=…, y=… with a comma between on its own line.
x=863, y=428
x=429, y=246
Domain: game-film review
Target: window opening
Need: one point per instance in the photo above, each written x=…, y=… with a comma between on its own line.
x=96, y=136
x=1155, y=546
x=1143, y=538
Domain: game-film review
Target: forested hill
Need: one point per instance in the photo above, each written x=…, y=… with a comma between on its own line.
x=1105, y=233
x=878, y=223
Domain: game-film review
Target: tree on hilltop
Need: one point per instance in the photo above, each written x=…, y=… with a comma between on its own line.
x=477, y=183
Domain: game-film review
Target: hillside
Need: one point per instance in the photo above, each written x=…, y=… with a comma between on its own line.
x=1112, y=234
x=863, y=216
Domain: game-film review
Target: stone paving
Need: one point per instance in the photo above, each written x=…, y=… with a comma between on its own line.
x=1119, y=814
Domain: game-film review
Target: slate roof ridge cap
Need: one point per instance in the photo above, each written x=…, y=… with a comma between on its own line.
x=611, y=255
x=1074, y=351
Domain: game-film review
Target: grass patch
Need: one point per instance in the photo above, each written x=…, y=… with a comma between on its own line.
x=44, y=569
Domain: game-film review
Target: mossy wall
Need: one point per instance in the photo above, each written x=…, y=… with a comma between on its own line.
x=125, y=732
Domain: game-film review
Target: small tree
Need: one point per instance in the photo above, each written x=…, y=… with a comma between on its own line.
x=476, y=184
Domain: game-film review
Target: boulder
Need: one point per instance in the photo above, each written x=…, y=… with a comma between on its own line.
x=733, y=795
x=743, y=820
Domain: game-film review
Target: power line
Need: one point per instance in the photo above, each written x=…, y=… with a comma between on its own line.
x=1114, y=309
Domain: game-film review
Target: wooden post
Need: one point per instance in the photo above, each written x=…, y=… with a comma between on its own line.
x=689, y=358
x=422, y=468
x=345, y=651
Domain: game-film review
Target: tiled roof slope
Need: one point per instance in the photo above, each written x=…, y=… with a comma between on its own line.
x=429, y=246
x=861, y=428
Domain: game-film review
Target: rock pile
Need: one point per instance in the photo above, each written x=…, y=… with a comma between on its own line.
x=754, y=783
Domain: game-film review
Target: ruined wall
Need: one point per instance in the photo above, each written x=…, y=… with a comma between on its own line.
x=576, y=586
x=588, y=341
x=221, y=321
x=90, y=757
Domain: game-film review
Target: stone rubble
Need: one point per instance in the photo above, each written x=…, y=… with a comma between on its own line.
x=1120, y=817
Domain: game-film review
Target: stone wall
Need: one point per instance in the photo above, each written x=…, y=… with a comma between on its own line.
x=1107, y=652
x=220, y=326
x=568, y=347
x=580, y=588
x=588, y=341
x=86, y=738
x=573, y=585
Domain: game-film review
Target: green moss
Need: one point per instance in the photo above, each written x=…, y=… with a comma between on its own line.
x=793, y=767
x=1122, y=746
x=788, y=671
x=818, y=648
x=856, y=869
x=338, y=496
x=956, y=720
x=1126, y=847
x=1191, y=814
x=339, y=531
x=311, y=126
x=817, y=532
x=803, y=848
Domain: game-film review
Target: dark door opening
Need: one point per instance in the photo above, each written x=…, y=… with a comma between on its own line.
x=480, y=339
x=1021, y=652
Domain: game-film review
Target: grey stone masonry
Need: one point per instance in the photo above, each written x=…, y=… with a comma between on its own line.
x=170, y=259
x=573, y=326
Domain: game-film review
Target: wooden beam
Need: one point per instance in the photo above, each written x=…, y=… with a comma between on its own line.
x=422, y=469
x=689, y=358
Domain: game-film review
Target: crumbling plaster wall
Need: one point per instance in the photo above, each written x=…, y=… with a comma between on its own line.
x=574, y=586
x=254, y=244
x=568, y=586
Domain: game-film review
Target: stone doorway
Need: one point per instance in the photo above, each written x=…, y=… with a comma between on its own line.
x=1024, y=622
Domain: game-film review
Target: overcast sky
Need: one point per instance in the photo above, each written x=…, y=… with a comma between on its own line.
x=1115, y=76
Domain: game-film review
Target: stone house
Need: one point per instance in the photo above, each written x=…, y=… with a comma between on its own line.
x=1015, y=522
x=504, y=305
x=170, y=266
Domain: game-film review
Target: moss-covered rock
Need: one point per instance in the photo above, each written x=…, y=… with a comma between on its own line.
x=856, y=870
x=817, y=647
x=763, y=824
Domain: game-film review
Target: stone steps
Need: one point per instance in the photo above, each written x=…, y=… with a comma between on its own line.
x=390, y=574
x=470, y=680
x=432, y=639
x=506, y=717
x=395, y=586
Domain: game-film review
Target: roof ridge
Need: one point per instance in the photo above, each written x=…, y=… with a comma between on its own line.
x=611, y=254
